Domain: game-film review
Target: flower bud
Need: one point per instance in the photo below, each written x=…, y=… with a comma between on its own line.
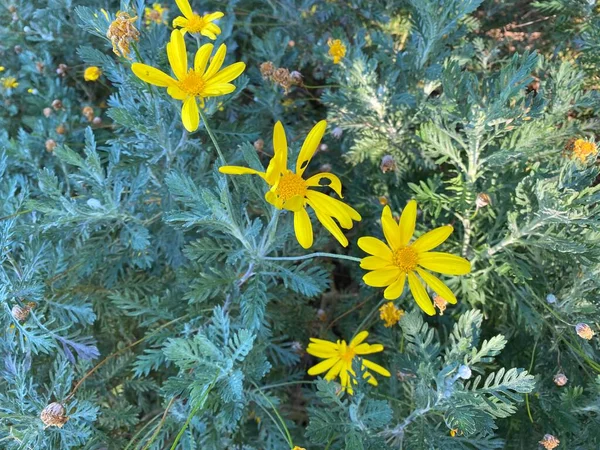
x=550, y=299
x=61, y=129
x=259, y=145
x=296, y=77
x=584, y=331
x=47, y=112
x=323, y=147
x=388, y=163
x=57, y=104
x=20, y=313
x=482, y=200
x=62, y=70
x=464, y=372
x=54, y=415
x=560, y=379
x=291, y=43
x=97, y=120
x=88, y=112
x=50, y=145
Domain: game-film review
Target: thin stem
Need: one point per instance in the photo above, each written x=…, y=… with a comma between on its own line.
x=212, y=137
x=311, y=255
x=368, y=317
x=160, y=425
x=287, y=435
x=531, y=367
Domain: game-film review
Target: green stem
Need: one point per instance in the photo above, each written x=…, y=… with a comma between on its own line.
x=212, y=137
x=368, y=317
x=288, y=436
x=531, y=367
x=311, y=255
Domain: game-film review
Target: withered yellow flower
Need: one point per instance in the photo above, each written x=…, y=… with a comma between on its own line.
x=122, y=33
x=390, y=314
x=9, y=82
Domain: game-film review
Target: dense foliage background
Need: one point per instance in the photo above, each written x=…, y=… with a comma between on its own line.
x=156, y=318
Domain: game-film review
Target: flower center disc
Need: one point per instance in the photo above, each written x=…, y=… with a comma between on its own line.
x=193, y=83
x=346, y=353
x=406, y=258
x=196, y=24
x=291, y=185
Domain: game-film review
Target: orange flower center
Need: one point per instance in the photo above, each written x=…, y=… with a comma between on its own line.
x=196, y=24
x=192, y=83
x=346, y=353
x=406, y=258
x=291, y=185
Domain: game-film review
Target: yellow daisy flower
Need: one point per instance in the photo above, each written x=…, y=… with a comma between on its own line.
x=92, y=73
x=583, y=149
x=194, y=23
x=197, y=82
x=339, y=356
x=337, y=50
x=291, y=192
x=9, y=82
x=155, y=14
x=392, y=263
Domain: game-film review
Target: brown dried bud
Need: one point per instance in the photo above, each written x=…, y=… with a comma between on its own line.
x=321, y=315
x=12, y=8
x=259, y=144
x=482, y=200
x=18, y=49
x=97, y=120
x=549, y=442
x=584, y=331
x=40, y=66
x=57, y=104
x=388, y=163
x=61, y=129
x=560, y=379
x=54, y=415
x=325, y=167
x=440, y=303
x=292, y=43
x=20, y=313
x=266, y=69
x=88, y=113
x=47, y=112
x=122, y=32
x=281, y=76
x=296, y=77
x=50, y=145
x=62, y=70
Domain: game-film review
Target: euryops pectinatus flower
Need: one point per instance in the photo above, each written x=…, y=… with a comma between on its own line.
x=195, y=83
x=292, y=192
x=194, y=23
x=392, y=263
x=339, y=356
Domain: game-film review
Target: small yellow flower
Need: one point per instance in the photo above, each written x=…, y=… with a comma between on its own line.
x=392, y=263
x=583, y=149
x=122, y=33
x=390, y=314
x=92, y=73
x=339, y=356
x=291, y=192
x=193, y=23
x=2, y=69
x=198, y=82
x=337, y=50
x=155, y=14
x=9, y=82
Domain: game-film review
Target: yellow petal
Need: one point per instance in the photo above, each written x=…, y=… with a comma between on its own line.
x=177, y=93
x=358, y=339
x=180, y=22
x=374, y=263
x=437, y=286
x=445, y=263
x=213, y=16
x=394, y=290
x=376, y=368
x=214, y=90
x=229, y=73
x=190, y=115
x=151, y=75
x=216, y=62
x=323, y=366
x=303, y=228
x=367, y=349
x=177, y=54
x=420, y=294
x=185, y=8
x=209, y=34
x=375, y=247
x=382, y=277
x=322, y=342
x=334, y=182
x=391, y=230
x=344, y=377
x=320, y=352
x=201, y=58
x=408, y=220
x=310, y=146
x=238, y=170
x=328, y=206
x=432, y=239
x=335, y=370
x=331, y=226
x=370, y=379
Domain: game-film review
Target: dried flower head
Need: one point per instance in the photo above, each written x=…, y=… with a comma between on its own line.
x=483, y=200
x=296, y=77
x=266, y=69
x=88, y=113
x=47, y=111
x=18, y=49
x=57, y=104
x=560, y=379
x=281, y=76
x=549, y=442
x=156, y=14
x=337, y=50
x=92, y=73
x=62, y=70
x=390, y=314
x=122, y=33
x=583, y=149
x=50, y=145
x=54, y=415
x=259, y=145
x=584, y=331
x=388, y=164
x=21, y=313
x=61, y=129
x=440, y=303
x=383, y=200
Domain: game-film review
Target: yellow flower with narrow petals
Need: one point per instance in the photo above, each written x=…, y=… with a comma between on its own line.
x=195, y=83
x=390, y=314
x=9, y=82
x=291, y=192
x=92, y=73
x=339, y=356
x=193, y=23
x=392, y=263
x=583, y=149
x=155, y=14
x=337, y=50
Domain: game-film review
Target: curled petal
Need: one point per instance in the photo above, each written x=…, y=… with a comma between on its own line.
x=334, y=182
x=310, y=146
x=331, y=226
